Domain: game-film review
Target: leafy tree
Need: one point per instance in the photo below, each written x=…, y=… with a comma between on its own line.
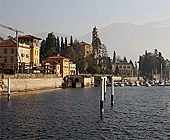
x=117, y=71
x=131, y=63
x=124, y=59
x=95, y=69
x=118, y=59
x=49, y=47
x=151, y=64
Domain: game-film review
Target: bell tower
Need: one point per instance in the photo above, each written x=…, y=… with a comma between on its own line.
x=96, y=43
x=95, y=34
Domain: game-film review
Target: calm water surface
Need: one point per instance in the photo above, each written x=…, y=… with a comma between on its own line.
x=73, y=114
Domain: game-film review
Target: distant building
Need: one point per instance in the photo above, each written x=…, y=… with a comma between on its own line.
x=64, y=64
x=72, y=67
x=51, y=66
x=125, y=69
x=8, y=55
x=122, y=67
x=34, y=46
x=85, y=49
x=167, y=69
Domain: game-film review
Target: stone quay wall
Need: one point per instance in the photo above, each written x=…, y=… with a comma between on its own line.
x=28, y=84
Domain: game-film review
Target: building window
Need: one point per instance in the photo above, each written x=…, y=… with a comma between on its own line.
x=12, y=50
x=5, y=59
x=128, y=67
x=120, y=67
x=27, y=55
x=12, y=60
x=5, y=51
x=22, y=54
x=124, y=67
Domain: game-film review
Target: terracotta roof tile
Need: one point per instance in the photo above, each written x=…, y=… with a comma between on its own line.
x=7, y=43
x=56, y=57
x=28, y=37
x=12, y=43
x=83, y=43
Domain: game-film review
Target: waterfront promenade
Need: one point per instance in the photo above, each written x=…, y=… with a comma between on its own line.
x=73, y=113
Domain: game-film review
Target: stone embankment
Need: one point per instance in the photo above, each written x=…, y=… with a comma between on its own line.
x=23, y=83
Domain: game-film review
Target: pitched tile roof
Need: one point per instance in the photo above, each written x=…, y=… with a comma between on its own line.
x=83, y=43
x=7, y=43
x=28, y=37
x=12, y=43
x=57, y=57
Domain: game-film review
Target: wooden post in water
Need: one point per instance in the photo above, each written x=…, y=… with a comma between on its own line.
x=112, y=90
x=9, y=87
x=102, y=96
x=105, y=88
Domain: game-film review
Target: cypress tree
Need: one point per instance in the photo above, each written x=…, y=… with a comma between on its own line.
x=62, y=45
x=65, y=42
x=71, y=41
x=58, y=45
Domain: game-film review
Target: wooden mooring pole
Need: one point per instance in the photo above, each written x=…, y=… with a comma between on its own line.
x=102, y=96
x=105, y=87
x=112, y=90
x=9, y=88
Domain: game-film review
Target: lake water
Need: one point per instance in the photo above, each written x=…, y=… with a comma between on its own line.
x=73, y=114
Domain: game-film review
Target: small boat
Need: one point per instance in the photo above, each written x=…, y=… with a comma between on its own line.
x=121, y=84
x=137, y=85
x=132, y=84
x=147, y=84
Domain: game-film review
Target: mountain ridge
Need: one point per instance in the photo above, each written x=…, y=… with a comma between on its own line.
x=125, y=38
x=128, y=39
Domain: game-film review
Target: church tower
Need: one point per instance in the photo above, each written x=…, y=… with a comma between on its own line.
x=96, y=43
x=95, y=33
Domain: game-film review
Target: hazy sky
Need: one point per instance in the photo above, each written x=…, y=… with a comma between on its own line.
x=78, y=17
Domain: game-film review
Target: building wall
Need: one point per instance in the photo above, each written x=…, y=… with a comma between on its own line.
x=124, y=69
x=35, y=50
x=35, y=55
x=66, y=70
x=33, y=84
x=8, y=58
x=88, y=50
x=24, y=54
x=72, y=69
x=57, y=70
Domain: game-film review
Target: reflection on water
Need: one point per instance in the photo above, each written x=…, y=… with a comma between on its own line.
x=138, y=113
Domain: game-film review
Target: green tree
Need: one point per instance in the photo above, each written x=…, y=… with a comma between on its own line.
x=151, y=64
x=43, y=50
x=71, y=41
x=62, y=45
x=65, y=42
x=49, y=47
x=124, y=59
x=58, y=45
x=117, y=71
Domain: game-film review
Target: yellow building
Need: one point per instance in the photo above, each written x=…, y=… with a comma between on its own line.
x=64, y=64
x=34, y=45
